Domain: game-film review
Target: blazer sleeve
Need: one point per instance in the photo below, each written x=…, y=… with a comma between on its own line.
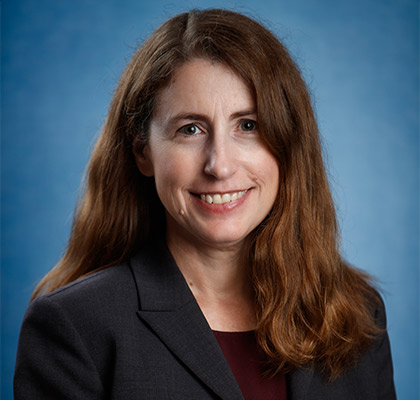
x=52, y=361
x=383, y=358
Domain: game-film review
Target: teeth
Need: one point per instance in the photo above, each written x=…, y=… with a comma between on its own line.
x=222, y=198
x=225, y=198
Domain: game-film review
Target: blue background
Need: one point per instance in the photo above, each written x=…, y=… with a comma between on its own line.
x=61, y=61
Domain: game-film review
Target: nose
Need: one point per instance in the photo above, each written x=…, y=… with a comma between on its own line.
x=220, y=157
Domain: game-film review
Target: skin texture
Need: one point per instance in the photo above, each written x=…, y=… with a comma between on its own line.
x=204, y=140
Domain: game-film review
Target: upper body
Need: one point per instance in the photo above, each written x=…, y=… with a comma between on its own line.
x=135, y=331
x=212, y=143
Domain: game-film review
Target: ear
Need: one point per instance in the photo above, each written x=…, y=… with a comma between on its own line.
x=143, y=160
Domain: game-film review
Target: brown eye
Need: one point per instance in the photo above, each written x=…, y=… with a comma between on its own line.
x=248, y=125
x=190, y=130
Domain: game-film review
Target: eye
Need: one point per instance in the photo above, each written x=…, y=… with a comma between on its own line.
x=190, y=130
x=248, y=125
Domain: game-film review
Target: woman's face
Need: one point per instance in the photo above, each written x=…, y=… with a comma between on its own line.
x=213, y=174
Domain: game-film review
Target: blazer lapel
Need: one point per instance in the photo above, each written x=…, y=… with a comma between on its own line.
x=169, y=308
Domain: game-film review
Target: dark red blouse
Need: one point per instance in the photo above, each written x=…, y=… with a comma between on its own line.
x=246, y=361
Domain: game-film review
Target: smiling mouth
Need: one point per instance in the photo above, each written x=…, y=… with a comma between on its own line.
x=222, y=198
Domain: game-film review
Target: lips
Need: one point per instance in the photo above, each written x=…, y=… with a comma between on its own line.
x=222, y=198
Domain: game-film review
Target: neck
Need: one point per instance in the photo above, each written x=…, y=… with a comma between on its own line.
x=219, y=280
x=211, y=270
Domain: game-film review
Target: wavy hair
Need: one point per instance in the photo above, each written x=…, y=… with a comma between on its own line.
x=311, y=306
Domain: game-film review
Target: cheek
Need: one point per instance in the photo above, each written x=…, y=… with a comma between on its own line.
x=172, y=172
x=270, y=177
x=274, y=178
x=268, y=170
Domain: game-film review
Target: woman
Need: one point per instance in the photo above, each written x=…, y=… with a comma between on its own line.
x=206, y=241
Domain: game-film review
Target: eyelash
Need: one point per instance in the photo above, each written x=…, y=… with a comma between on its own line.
x=184, y=129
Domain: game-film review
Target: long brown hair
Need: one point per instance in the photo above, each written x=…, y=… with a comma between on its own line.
x=311, y=306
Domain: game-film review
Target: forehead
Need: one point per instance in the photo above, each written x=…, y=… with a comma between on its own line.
x=201, y=84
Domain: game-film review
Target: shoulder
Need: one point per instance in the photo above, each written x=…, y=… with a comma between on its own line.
x=68, y=335
x=108, y=279
x=371, y=377
x=378, y=308
x=106, y=293
x=374, y=372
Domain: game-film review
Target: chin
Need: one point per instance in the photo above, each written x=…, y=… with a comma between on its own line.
x=224, y=239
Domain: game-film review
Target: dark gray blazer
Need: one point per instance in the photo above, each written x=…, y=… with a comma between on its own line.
x=135, y=331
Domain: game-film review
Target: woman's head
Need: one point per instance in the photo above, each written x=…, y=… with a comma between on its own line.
x=285, y=117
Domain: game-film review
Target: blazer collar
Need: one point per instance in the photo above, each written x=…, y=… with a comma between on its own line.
x=168, y=307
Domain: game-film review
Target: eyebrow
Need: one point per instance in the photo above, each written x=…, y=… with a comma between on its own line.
x=244, y=113
x=202, y=117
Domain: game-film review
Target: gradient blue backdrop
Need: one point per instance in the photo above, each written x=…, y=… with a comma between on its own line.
x=62, y=59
